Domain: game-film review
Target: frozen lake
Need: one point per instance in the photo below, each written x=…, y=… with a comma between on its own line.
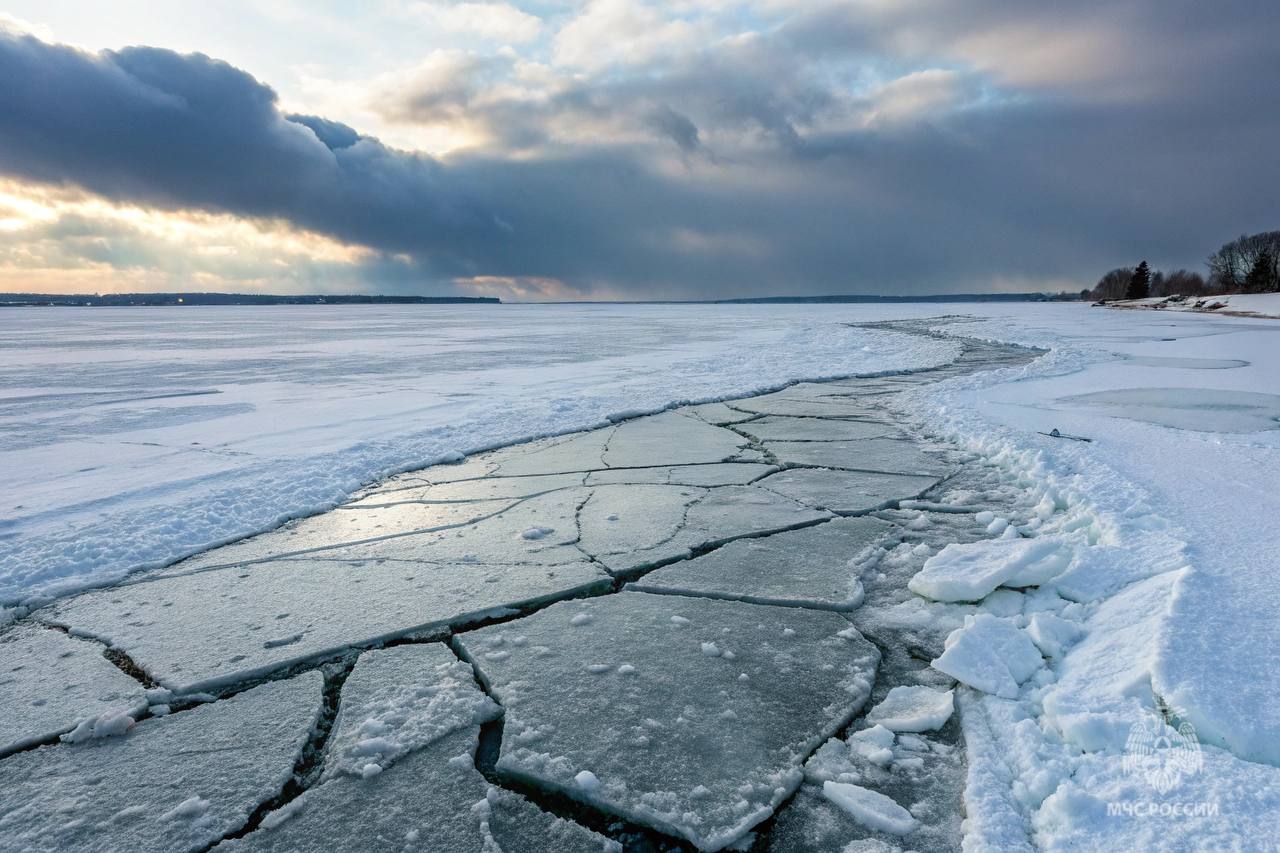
x=132, y=436
x=1064, y=590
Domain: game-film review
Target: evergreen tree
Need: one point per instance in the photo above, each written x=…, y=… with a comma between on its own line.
x=1262, y=275
x=1139, y=283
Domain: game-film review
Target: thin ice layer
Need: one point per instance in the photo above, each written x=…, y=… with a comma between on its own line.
x=812, y=567
x=431, y=800
x=176, y=782
x=198, y=631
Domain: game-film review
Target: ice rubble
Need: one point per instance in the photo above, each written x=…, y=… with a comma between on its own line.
x=870, y=808
x=52, y=682
x=971, y=571
x=913, y=708
x=176, y=782
x=704, y=764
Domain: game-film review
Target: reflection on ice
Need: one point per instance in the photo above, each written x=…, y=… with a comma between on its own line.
x=1202, y=409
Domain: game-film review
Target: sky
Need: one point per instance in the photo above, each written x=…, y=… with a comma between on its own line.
x=629, y=149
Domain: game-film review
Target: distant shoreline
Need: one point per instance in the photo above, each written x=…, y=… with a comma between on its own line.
x=114, y=300
x=127, y=300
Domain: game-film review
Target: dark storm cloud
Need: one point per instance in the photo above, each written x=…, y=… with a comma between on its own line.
x=1036, y=165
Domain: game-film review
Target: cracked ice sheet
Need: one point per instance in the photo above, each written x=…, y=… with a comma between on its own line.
x=629, y=527
x=716, y=474
x=400, y=699
x=49, y=682
x=808, y=407
x=670, y=439
x=400, y=773
x=811, y=567
x=774, y=428
x=846, y=492
x=432, y=800
x=485, y=488
x=689, y=715
x=200, y=631
x=176, y=782
x=338, y=527
x=886, y=455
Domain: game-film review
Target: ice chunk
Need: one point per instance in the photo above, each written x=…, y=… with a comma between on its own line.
x=682, y=744
x=399, y=699
x=176, y=782
x=991, y=655
x=870, y=808
x=909, y=708
x=969, y=571
x=810, y=567
x=52, y=682
x=1052, y=634
x=874, y=745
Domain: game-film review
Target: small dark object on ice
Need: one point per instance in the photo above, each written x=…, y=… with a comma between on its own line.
x=1054, y=433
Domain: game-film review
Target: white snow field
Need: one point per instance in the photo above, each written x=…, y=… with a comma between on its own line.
x=913, y=611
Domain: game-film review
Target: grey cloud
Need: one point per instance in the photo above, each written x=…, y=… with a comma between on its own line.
x=1024, y=187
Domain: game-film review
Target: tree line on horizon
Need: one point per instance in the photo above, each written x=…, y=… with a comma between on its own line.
x=1248, y=264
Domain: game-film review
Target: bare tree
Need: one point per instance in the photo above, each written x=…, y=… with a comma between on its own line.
x=1230, y=266
x=1112, y=285
x=1185, y=283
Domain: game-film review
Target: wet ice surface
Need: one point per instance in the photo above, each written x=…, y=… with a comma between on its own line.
x=401, y=775
x=179, y=782
x=49, y=682
x=813, y=567
x=1205, y=409
x=689, y=715
x=781, y=532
